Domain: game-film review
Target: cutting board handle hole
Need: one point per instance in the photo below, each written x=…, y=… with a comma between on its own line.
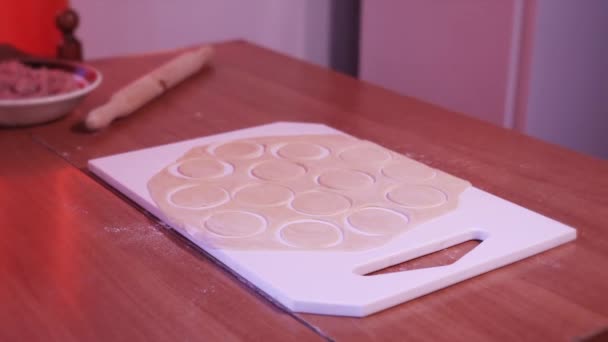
x=436, y=254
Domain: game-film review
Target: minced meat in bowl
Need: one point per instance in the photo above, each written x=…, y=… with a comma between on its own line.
x=36, y=90
x=18, y=81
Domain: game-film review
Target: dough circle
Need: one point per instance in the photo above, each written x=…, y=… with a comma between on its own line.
x=320, y=203
x=417, y=196
x=238, y=150
x=405, y=170
x=365, y=154
x=201, y=168
x=201, y=196
x=378, y=221
x=235, y=224
x=277, y=170
x=310, y=234
x=263, y=195
x=303, y=151
x=344, y=179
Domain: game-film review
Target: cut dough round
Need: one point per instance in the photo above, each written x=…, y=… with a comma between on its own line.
x=238, y=150
x=304, y=151
x=417, y=196
x=198, y=196
x=343, y=179
x=320, y=203
x=310, y=234
x=235, y=224
x=378, y=221
x=201, y=168
x=365, y=154
x=408, y=170
x=278, y=170
x=264, y=195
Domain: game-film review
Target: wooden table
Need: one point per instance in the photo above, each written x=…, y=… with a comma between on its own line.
x=79, y=261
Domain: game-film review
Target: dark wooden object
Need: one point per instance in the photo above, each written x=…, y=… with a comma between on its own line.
x=70, y=47
x=8, y=51
x=78, y=261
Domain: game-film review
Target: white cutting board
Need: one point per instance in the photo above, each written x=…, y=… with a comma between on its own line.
x=332, y=282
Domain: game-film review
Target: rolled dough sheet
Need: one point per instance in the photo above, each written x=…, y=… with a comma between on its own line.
x=307, y=192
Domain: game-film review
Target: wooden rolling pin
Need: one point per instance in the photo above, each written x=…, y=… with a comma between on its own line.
x=139, y=92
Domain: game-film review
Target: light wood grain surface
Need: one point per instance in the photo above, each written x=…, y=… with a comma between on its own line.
x=78, y=261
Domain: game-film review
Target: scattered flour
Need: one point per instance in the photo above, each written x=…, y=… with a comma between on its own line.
x=113, y=229
x=208, y=290
x=150, y=236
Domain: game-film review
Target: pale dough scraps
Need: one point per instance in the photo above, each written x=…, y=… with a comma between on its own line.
x=320, y=203
x=263, y=195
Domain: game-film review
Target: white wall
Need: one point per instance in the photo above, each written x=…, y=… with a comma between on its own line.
x=540, y=66
x=568, y=89
x=452, y=53
x=299, y=28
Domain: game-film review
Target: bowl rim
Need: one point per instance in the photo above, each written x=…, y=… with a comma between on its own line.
x=59, y=97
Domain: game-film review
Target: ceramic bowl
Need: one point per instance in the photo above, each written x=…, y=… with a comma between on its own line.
x=36, y=110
